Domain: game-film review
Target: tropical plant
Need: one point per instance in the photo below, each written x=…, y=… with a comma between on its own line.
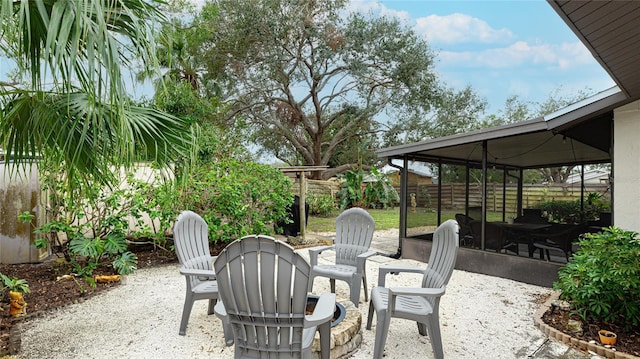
x=351, y=193
x=602, y=281
x=88, y=223
x=379, y=191
x=15, y=284
x=68, y=97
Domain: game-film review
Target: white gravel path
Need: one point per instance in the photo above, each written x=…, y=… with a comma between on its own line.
x=481, y=317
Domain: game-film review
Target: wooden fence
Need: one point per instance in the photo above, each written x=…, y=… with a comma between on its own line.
x=453, y=195
x=318, y=188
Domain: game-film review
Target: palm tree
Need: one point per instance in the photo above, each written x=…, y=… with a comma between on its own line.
x=73, y=103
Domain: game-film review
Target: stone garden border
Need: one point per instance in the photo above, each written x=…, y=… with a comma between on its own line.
x=567, y=339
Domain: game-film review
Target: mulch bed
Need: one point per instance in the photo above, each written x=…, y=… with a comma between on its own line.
x=628, y=340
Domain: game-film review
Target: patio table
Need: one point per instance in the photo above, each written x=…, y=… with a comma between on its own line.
x=522, y=232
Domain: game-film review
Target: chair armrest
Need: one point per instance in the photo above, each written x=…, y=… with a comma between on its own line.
x=361, y=260
x=323, y=312
x=386, y=269
x=422, y=292
x=202, y=274
x=313, y=254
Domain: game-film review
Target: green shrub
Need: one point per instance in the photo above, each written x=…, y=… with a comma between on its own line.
x=351, y=193
x=87, y=222
x=570, y=211
x=321, y=204
x=562, y=211
x=236, y=198
x=377, y=193
x=603, y=279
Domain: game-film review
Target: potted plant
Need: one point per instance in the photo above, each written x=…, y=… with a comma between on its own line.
x=17, y=288
x=607, y=337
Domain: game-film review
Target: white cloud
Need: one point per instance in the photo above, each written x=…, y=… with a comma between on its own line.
x=521, y=53
x=377, y=9
x=459, y=28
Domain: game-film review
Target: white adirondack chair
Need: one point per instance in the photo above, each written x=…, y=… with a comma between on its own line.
x=354, y=232
x=417, y=304
x=263, y=294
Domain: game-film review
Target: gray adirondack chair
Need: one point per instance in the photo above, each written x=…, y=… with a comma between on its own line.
x=191, y=238
x=417, y=304
x=263, y=294
x=354, y=231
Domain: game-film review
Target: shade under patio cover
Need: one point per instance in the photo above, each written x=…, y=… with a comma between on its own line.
x=565, y=138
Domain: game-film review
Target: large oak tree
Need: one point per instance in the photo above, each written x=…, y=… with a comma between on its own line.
x=310, y=78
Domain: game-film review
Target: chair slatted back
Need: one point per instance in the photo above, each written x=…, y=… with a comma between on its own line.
x=443, y=255
x=191, y=239
x=263, y=286
x=354, y=232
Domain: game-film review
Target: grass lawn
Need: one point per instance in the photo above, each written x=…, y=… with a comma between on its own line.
x=389, y=218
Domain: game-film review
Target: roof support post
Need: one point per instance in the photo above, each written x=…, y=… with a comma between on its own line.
x=520, y=191
x=466, y=191
x=612, y=185
x=582, y=193
x=404, y=174
x=504, y=193
x=439, y=192
x=303, y=201
x=484, y=194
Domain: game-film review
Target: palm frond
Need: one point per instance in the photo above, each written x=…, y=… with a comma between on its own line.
x=87, y=134
x=81, y=42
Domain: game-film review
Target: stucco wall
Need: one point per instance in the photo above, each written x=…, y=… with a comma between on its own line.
x=626, y=167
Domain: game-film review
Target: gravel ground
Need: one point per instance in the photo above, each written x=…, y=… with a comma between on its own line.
x=481, y=317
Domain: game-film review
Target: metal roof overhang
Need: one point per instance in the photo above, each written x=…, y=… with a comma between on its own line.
x=579, y=134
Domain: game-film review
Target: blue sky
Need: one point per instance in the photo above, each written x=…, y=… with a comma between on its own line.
x=500, y=48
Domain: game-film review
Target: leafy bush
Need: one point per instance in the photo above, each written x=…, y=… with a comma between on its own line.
x=321, y=204
x=603, y=279
x=236, y=199
x=351, y=193
x=377, y=193
x=562, y=211
x=87, y=222
x=570, y=211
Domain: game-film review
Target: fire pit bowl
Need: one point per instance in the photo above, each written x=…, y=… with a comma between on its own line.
x=338, y=314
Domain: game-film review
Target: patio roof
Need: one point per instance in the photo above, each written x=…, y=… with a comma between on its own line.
x=578, y=134
x=554, y=140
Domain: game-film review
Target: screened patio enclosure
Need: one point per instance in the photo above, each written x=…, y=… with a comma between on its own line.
x=484, y=182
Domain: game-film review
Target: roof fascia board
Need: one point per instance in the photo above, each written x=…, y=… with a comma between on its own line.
x=565, y=119
x=606, y=94
x=492, y=133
